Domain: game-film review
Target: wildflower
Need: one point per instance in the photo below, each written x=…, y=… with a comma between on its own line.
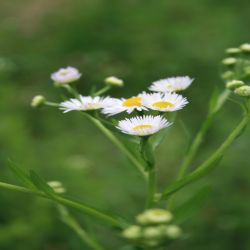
x=38, y=101
x=234, y=84
x=172, y=84
x=173, y=231
x=85, y=103
x=132, y=232
x=155, y=216
x=114, y=81
x=143, y=125
x=229, y=61
x=65, y=75
x=243, y=91
x=164, y=102
x=121, y=105
x=245, y=47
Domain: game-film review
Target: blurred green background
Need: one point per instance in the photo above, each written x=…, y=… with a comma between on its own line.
x=138, y=41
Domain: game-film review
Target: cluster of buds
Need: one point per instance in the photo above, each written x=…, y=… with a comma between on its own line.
x=153, y=229
x=237, y=71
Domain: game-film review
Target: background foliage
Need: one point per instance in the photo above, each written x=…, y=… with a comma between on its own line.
x=139, y=41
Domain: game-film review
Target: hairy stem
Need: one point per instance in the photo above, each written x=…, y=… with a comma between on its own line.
x=151, y=188
x=210, y=163
x=70, y=203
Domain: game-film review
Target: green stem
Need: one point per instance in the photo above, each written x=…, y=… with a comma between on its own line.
x=75, y=226
x=52, y=104
x=209, y=164
x=71, y=90
x=102, y=91
x=151, y=188
x=70, y=203
x=119, y=144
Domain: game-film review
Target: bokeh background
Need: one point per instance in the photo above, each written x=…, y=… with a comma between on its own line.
x=138, y=41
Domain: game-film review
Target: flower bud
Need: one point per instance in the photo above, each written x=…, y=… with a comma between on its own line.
x=233, y=51
x=243, y=91
x=57, y=186
x=229, y=61
x=38, y=101
x=232, y=85
x=152, y=232
x=228, y=75
x=154, y=216
x=114, y=81
x=247, y=70
x=173, y=231
x=245, y=47
x=132, y=233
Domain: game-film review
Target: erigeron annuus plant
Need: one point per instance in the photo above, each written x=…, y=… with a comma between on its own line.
x=147, y=117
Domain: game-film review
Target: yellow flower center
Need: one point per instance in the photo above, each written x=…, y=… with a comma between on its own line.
x=133, y=101
x=139, y=127
x=163, y=105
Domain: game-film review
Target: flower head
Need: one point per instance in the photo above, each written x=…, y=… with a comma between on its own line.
x=143, y=125
x=38, y=101
x=121, y=105
x=172, y=84
x=65, y=75
x=85, y=103
x=164, y=101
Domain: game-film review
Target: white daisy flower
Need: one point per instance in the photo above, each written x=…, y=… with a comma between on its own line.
x=85, y=103
x=143, y=125
x=171, y=84
x=164, y=101
x=65, y=75
x=121, y=105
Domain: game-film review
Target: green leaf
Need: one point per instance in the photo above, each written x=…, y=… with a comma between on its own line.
x=21, y=175
x=42, y=185
x=192, y=206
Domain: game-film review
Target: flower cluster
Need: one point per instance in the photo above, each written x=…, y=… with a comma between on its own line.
x=237, y=70
x=163, y=99
x=153, y=229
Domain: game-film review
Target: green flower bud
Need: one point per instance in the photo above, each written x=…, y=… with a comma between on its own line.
x=152, y=232
x=38, y=101
x=151, y=243
x=232, y=85
x=247, y=70
x=114, y=81
x=173, y=231
x=228, y=75
x=243, y=91
x=154, y=216
x=229, y=61
x=245, y=47
x=233, y=51
x=132, y=233
x=57, y=186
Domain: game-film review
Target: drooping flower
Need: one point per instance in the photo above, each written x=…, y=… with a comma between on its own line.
x=171, y=84
x=121, y=105
x=143, y=125
x=85, y=103
x=65, y=75
x=164, y=101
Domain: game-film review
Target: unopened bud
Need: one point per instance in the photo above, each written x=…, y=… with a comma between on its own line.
x=229, y=61
x=232, y=85
x=132, y=233
x=243, y=91
x=228, y=75
x=247, y=70
x=233, y=51
x=38, y=101
x=245, y=47
x=173, y=231
x=57, y=186
x=152, y=232
x=114, y=81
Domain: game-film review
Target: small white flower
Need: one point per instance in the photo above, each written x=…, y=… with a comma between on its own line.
x=171, y=84
x=65, y=75
x=121, y=105
x=85, y=103
x=143, y=125
x=164, y=101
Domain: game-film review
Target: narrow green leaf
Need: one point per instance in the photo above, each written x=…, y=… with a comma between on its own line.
x=20, y=175
x=41, y=184
x=192, y=206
